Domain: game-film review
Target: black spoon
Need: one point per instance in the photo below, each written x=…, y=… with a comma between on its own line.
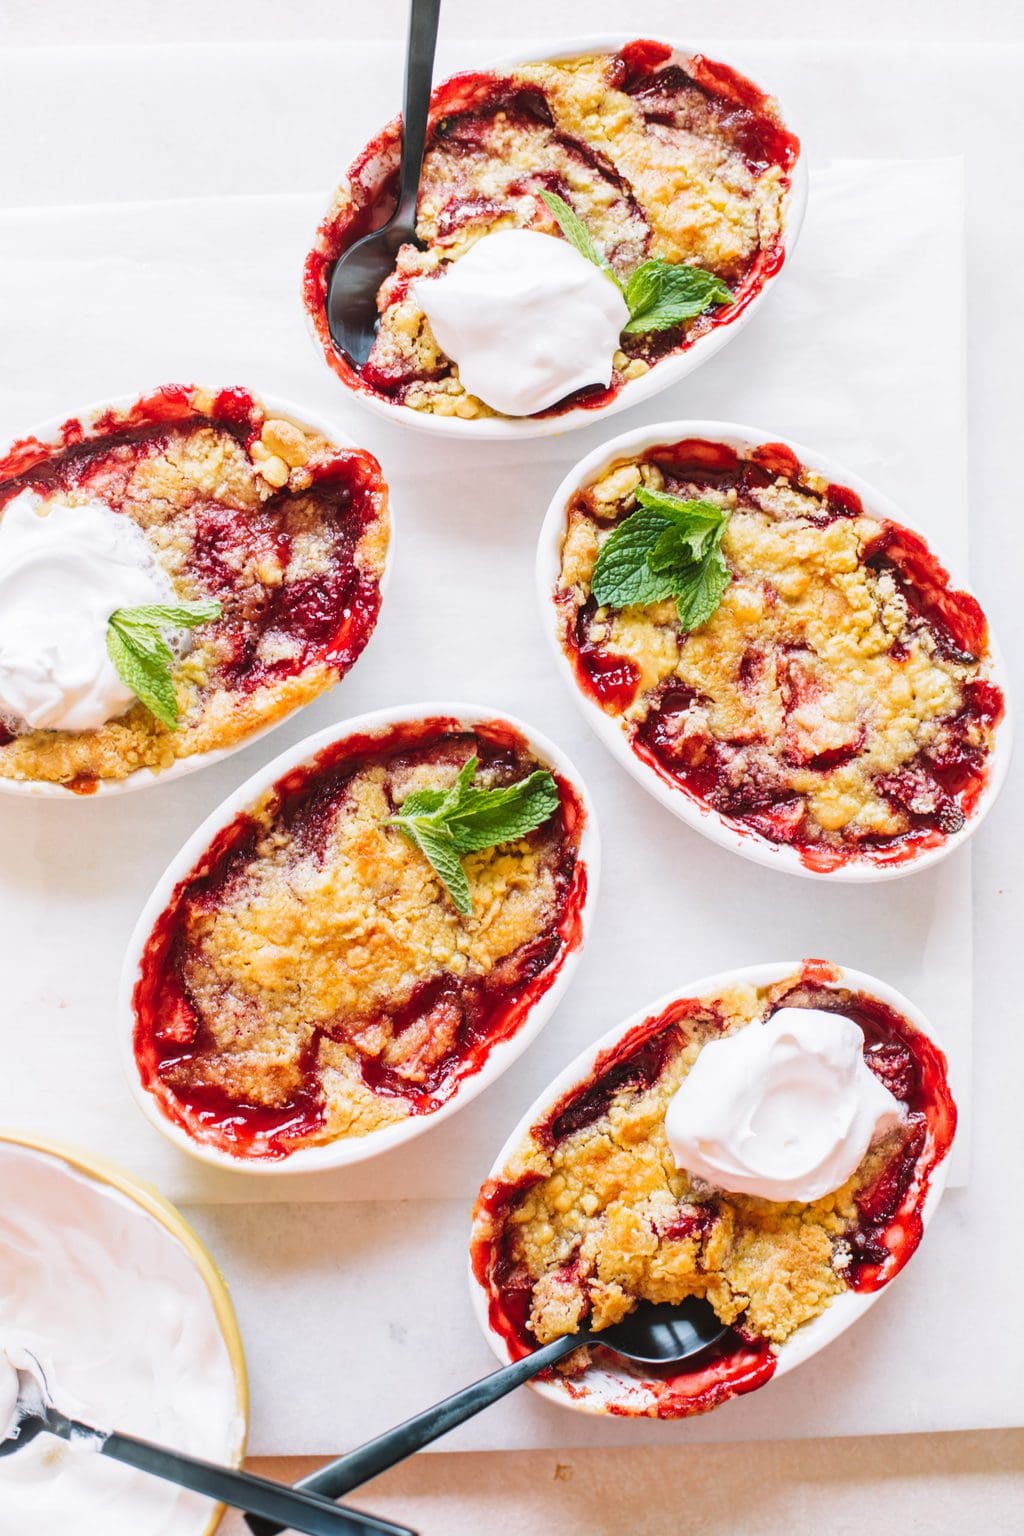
x=36, y=1415
x=652, y=1335
x=359, y=271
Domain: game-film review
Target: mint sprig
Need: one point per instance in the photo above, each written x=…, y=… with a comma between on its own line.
x=142, y=658
x=659, y=294
x=576, y=232
x=445, y=824
x=666, y=548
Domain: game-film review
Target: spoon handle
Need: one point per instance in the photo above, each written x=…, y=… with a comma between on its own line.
x=419, y=72
x=296, y=1509
x=396, y=1444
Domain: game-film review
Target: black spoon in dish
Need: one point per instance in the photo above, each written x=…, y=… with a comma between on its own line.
x=35, y=1414
x=359, y=271
x=652, y=1335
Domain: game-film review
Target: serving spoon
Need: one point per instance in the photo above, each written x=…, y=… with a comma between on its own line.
x=359, y=271
x=35, y=1414
x=652, y=1335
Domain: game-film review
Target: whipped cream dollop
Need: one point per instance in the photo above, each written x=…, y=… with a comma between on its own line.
x=124, y=1327
x=527, y=319
x=63, y=571
x=785, y=1110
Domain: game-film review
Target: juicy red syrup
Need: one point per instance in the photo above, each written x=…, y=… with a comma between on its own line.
x=462, y=109
x=953, y=782
x=169, y=1031
x=329, y=617
x=956, y=618
x=914, y=1070
x=612, y=679
x=884, y=1237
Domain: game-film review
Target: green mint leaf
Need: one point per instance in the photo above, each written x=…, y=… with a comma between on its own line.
x=638, y=563
x=661, y=294
x=141, y=656
x=444, y=824
x=576, y=232
x=695, y=520
x=437, y=845
x=146, y=674
x=623, y=575
x=643, y=288
x=702, y=587
x=169, y=615
x=493, y=816
x=677, y=548
x=461, y=789
x=423, y=802
x=667, y=548
x=672, y=552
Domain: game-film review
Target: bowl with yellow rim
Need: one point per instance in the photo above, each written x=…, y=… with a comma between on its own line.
x=152, y=1204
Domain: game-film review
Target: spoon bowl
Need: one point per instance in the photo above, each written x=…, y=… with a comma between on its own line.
x=359, y=272
x=352, y=291
x=658, y=1334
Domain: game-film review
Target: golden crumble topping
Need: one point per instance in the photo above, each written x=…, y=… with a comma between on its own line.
x=590, y=1215
x=660, y=156
x=325, y=963
x=288, y=532
x=837, y=696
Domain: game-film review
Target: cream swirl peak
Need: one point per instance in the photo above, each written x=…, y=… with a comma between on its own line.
x=784, y=1110
x=64, y=569
x=113, y=1307
x=527, y=319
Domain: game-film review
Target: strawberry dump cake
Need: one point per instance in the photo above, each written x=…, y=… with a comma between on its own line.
x=668, y=174
x=174, y=576
x=769, y=1146
x=352, y=946
x=777, y=652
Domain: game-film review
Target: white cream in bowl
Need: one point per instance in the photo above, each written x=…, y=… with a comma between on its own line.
x=125, y=1328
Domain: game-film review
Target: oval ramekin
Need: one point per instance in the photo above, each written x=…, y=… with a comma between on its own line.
x=605, y=1389
x=712, y=824
x=51, y=433
x=348, y=1150
x=171, y=1219
x=665, y=373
